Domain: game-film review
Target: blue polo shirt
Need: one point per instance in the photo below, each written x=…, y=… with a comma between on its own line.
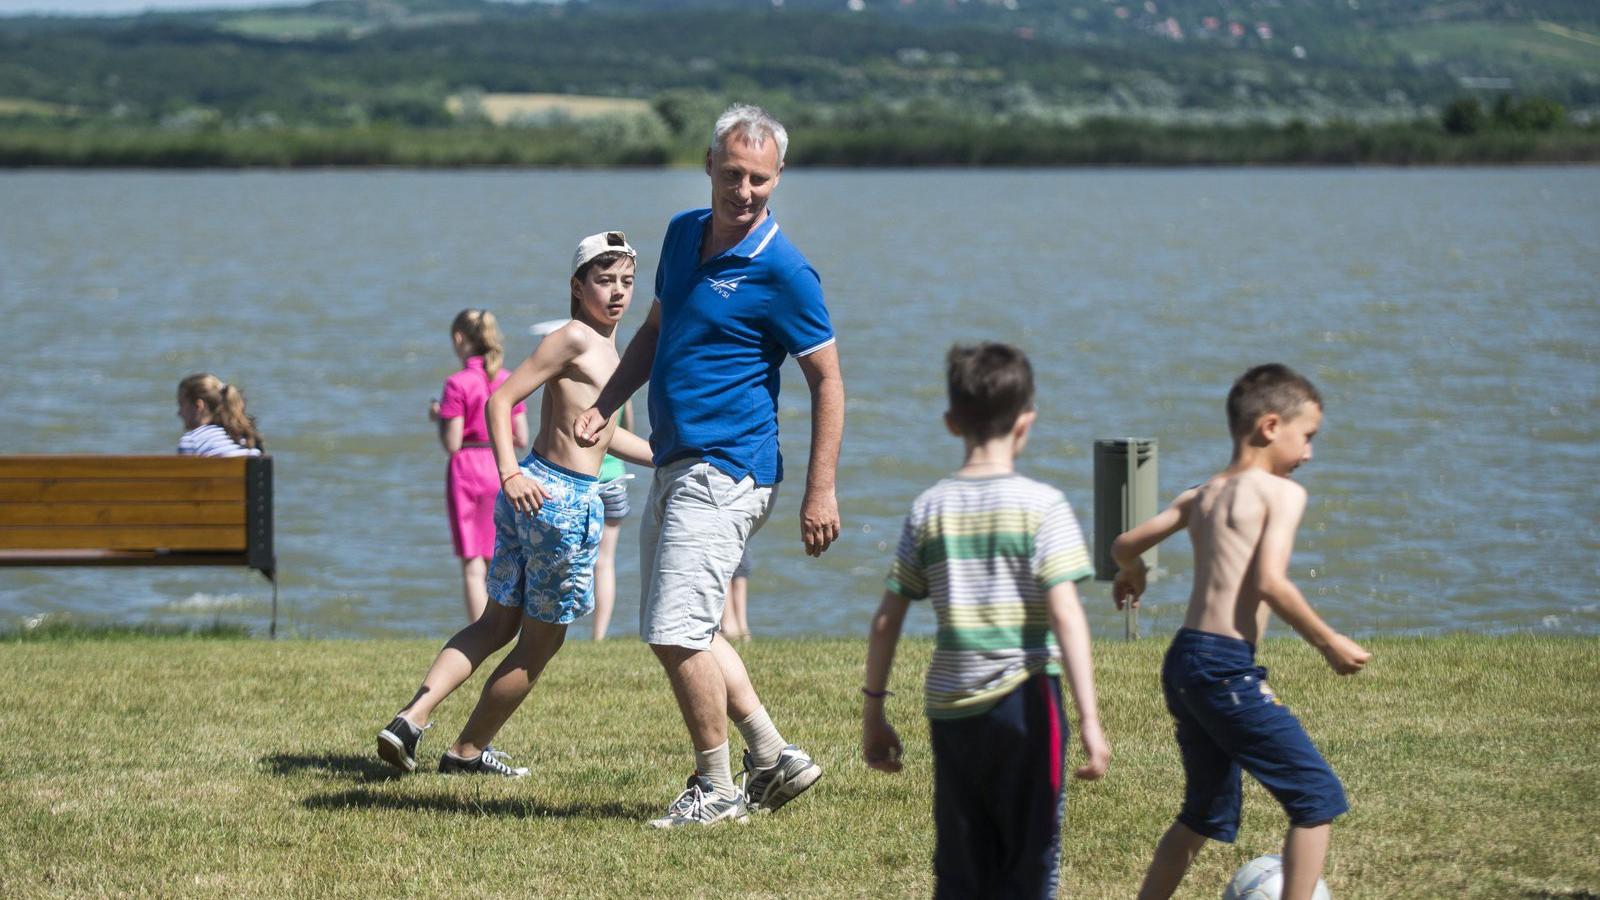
x=726, y=327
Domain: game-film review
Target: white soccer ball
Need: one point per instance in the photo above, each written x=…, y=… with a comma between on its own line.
x=1262, y=879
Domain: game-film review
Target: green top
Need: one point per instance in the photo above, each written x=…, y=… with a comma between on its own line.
x=612, y=468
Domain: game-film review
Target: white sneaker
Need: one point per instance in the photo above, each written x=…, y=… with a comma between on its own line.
x=699, y=804
x=769, y=788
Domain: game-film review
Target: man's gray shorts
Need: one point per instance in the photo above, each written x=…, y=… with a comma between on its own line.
x=691, y=535
x=614, y=495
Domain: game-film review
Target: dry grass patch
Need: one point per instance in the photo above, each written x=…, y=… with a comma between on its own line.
x=504, y=109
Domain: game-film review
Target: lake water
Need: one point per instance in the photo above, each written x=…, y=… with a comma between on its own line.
x=1450, y=317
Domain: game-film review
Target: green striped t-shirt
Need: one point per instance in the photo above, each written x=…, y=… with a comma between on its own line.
x=985, y=552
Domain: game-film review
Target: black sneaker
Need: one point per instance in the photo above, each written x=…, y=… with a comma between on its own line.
x=397, y=743
x=769, y=788
x=501, y=755
x=482, y=764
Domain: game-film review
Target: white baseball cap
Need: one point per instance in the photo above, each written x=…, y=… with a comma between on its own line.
x=596, y=244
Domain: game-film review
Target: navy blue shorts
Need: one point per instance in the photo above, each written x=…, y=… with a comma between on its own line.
x=997, y=796
x=1229, y=719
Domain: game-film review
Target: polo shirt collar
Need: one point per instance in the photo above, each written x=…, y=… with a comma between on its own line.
x=754, y=243
x=476, y=362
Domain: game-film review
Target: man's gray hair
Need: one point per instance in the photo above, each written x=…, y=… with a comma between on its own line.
x=751, y=123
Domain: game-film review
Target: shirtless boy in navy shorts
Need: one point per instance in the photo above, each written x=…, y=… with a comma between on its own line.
x=1242, y=524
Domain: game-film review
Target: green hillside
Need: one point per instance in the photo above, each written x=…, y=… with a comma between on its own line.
x=333, y=61
x=1052, y=64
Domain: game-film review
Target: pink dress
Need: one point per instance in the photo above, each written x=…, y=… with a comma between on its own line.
x=472, y=481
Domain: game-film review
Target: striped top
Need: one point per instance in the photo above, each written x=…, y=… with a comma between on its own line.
x=212, y=440
x=986, y=551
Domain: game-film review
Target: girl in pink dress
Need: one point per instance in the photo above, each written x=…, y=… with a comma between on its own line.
x=472, y=481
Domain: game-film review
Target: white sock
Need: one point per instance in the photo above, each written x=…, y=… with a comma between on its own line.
x=762, y=738
x=713, y=764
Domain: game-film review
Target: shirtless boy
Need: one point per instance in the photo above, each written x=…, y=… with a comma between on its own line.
x=547, y=519
x=1242, y=524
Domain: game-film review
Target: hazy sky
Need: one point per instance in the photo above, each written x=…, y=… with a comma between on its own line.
x=102, y=7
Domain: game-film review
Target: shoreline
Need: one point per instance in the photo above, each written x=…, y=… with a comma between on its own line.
x=1117, y=144
x=833, y=168
x=56, y=628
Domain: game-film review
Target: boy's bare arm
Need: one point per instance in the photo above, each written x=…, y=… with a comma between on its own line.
x=1072, y=636
x=1132, y=544
x=626, y=445
x=1286, y=503
x=632, y=372
x=547, y=361
x=880, y=745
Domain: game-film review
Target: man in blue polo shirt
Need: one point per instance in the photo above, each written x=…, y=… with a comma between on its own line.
x=733, y=299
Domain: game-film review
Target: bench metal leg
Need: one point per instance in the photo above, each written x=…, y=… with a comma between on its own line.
x=272, y=625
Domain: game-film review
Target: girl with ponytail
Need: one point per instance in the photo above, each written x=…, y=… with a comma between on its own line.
x=213, y=412
x=472, y=480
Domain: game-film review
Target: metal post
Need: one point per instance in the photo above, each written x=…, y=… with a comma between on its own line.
x=1130, y=613
x=1124, y=495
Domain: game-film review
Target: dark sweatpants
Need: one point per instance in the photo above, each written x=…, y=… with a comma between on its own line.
x=997, y=796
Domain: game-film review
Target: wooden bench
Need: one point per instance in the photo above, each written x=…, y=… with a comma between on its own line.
x=138, y=511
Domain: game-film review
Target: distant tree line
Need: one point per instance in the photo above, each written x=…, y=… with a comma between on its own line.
x=1466, y=115
x=886, y=142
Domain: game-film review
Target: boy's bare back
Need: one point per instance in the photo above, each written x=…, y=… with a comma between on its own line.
x=1243, y=520
x=1228, y=519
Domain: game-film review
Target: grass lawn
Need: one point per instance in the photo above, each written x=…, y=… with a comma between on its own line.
x=157, y=766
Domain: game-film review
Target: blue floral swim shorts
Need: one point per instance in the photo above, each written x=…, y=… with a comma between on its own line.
x=544, y=563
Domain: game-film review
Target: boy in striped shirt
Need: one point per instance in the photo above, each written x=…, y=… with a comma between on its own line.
x=998, y=556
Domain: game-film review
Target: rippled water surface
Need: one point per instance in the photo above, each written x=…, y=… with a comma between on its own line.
x=1451, y=319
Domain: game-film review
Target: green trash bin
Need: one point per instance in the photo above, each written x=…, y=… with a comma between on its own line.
x=1125, y=487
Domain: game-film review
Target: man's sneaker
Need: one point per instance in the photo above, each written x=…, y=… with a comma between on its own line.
x=485, y=763
x=769, y=788
x=397, y=743
x=700, y=805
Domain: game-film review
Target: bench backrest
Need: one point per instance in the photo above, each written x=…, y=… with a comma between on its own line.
x=136, y=510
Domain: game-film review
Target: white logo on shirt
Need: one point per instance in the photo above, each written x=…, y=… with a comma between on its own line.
x=726, y=286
